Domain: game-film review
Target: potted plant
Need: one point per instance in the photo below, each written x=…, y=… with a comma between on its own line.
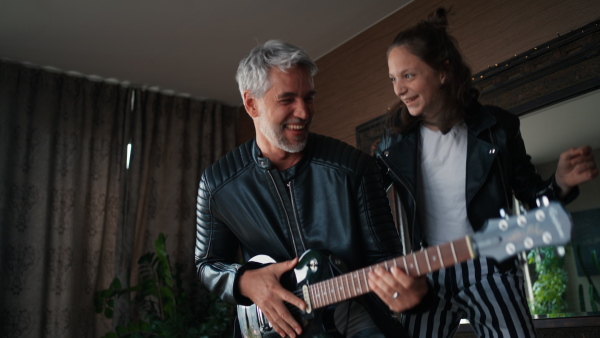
x=161, y=307
x=551, y=284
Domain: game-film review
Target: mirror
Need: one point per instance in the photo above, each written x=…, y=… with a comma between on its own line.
x=554, y=89
x=547, y=132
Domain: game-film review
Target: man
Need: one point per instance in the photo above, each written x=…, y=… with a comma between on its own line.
x=287, y=191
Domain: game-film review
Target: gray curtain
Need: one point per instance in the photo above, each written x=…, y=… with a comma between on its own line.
x=61, y=171
x=173, y=140
x=72, y=216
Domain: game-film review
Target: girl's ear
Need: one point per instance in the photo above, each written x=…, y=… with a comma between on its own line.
x=444, y=73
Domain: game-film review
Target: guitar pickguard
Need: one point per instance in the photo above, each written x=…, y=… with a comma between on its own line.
x=313, y=266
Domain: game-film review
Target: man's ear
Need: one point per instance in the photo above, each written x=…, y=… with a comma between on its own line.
x=251, y=104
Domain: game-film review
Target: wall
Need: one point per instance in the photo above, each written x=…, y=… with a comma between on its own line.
x=353, y=86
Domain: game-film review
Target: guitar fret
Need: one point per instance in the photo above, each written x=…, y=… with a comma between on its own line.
x=427, y=259
x=323, y=300
x=348, y=287
x=417, y=265
x=453, y=252
x=440, y=255
x=337, y=288
x=351, y=289
x=434, y=259
x=332, y=293
x=406, y=266
x=365, y=277
x=319, y=294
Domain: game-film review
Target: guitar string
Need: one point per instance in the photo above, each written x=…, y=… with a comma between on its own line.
x=300, y=294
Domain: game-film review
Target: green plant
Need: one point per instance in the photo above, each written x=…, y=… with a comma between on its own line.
x=161, y=306
x=551, y=284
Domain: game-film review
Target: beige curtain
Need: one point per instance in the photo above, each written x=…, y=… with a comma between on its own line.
x=72, y=216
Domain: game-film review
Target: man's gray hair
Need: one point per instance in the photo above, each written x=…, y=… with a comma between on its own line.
x=253, y=71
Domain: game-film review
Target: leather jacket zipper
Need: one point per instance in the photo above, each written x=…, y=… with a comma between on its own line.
x=414, y=211
x=286, y=214
x=289, y=185
x=501, y=168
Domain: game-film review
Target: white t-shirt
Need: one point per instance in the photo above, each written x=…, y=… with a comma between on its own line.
x=442, y=175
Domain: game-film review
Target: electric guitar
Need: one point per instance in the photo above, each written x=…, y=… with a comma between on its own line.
x=316, y=278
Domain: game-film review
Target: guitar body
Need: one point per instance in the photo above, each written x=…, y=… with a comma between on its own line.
x=313, y=266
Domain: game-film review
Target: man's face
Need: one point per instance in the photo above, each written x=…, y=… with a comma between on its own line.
x=285, y=112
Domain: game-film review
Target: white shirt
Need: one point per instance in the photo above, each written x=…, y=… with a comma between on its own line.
x=442, y=176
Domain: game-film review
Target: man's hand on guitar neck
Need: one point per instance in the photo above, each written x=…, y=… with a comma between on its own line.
x=262, y=286
x=398, y=290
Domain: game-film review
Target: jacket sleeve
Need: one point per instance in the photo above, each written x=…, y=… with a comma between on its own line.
x=527, y=184
x=215, y=252
x=381, y=238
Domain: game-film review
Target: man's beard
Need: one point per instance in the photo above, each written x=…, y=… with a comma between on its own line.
x=275, y=134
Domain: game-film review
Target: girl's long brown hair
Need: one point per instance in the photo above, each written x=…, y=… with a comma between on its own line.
x=430, y=41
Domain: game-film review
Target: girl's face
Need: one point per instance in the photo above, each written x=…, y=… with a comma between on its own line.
x=416, y=83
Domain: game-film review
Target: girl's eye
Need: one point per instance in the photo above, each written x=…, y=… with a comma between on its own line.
x=408, y=76
x=393, y=79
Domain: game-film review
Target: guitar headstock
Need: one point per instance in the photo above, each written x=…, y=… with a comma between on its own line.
x=501, y=238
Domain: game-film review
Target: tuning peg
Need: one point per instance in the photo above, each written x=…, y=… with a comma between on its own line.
x=522, y=209
x=542, y=201
x=560, y=251
x=503, y=213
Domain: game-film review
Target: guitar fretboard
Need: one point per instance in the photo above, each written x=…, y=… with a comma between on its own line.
x=355, y=283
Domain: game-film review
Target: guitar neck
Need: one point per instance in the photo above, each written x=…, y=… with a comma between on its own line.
x=355, y=283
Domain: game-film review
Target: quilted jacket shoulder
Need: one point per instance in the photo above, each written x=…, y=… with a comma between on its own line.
x=332, y=152
x=231, y=165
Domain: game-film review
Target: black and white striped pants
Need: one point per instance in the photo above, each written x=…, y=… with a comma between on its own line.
x=493, y=301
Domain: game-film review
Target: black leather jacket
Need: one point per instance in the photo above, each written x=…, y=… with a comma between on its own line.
x=497, y=167
x=333, y=199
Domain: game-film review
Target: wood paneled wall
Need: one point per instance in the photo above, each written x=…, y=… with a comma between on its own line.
x=352, y=83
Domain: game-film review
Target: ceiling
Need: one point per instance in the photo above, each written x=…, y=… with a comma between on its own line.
x=187, y=46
